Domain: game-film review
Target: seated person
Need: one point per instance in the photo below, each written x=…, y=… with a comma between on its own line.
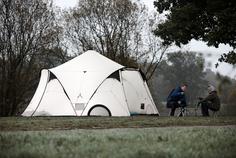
x=176, y=98
x=212, y=101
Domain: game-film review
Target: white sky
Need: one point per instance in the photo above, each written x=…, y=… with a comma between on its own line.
x=197, y=46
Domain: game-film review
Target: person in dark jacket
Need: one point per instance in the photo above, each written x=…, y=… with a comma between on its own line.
x=212, y=101
x=177, y=98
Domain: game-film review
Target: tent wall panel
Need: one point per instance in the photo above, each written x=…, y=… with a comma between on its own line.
x=153, y=106
x=110, y=94
x=54, y=101
x=135, y=90
x=38, y=94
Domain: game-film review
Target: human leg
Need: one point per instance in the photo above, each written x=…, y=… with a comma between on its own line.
x=204, y=108
x=172, y=111
x=174, y=105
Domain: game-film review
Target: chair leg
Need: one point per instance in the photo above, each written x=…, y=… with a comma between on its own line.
x=214, y=114
x=182, y=112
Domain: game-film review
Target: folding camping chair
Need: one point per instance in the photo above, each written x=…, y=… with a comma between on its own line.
x=196, y=107
x=183, y=112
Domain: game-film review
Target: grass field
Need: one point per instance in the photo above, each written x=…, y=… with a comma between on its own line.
x=134, y=137
x=68, y=123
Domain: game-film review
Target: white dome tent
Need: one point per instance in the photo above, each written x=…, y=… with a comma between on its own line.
x=88, y=85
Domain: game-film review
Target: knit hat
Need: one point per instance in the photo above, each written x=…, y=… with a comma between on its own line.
x=211, y=88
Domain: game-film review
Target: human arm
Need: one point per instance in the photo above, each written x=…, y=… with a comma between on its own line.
x=177, y=93
x=210, y=97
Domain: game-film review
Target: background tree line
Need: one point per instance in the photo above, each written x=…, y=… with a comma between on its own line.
x=36, y=35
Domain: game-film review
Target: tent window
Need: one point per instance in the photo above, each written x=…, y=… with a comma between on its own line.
x=142, y=106
x=115, y=75
x=52, y=76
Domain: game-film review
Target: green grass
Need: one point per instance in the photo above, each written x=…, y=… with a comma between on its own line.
x=135, y=137
x=68, y=123
x=179, y=142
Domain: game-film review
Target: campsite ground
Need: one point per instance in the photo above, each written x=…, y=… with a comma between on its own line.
x=140, y=136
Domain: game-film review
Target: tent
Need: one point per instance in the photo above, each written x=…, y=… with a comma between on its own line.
x=91, y=84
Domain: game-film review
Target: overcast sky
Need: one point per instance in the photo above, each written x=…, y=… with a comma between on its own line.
x=211, y=54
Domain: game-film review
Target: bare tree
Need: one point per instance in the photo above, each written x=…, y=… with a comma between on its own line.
x=118, y=29
x=27, y=31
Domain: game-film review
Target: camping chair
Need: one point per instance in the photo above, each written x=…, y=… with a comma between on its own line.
x=215, y=113
x=183, y=111
x=196, y=107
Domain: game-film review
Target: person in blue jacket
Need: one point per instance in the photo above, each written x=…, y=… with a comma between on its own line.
x=177, y=98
